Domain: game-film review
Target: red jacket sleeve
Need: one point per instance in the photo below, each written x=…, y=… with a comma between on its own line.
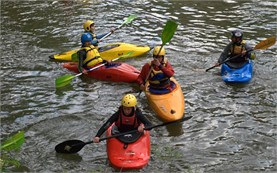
x=143, y=74
x=168, y=70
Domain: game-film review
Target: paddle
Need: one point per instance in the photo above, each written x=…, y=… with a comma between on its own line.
x=167, y=34
x=128, y=20
x=261, y=45
x=73, y=146
x=66, y=79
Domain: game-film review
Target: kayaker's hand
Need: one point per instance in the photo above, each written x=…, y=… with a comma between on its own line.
x=217, y=64
x=140, y=128
x=156, y=62
x=142, y=87
x=96, y=140
x=107, y=62
x=243, y=53
x=85, y=71
x=112, y=30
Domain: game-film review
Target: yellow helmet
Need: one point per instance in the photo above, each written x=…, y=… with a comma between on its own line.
x=129, y=100
x=87, y=25
x=157, y=49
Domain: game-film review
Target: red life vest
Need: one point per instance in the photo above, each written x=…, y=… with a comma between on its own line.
x=127, y=121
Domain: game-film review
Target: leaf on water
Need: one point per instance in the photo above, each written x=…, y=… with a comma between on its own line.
x=14, y=142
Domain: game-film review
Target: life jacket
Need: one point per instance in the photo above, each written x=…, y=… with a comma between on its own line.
x=92, y=56
x=236, y=50
x=129, y=122
x=157, y=78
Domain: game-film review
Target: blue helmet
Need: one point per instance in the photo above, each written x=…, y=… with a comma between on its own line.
x=86, y=37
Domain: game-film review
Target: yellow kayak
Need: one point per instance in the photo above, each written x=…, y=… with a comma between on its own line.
x=107, y=52
x=169, y=106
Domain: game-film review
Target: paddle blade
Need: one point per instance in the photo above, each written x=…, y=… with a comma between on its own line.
x=266, y=43
x=130, y=19
x=64, y=80
x=168, y=32
x=70, y=146
x=13, y=142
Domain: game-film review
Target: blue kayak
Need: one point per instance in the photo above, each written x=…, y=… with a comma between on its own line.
x=237, y=75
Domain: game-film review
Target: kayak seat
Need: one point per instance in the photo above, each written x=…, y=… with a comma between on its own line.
x=128, y=138
x=163, y=90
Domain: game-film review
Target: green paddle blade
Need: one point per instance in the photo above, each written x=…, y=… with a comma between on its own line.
x=14, y=142
x=63, y=80
x=266, y=43
x=129, y=19
x=168, y=32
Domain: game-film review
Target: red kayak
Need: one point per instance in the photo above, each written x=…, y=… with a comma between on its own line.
x=131, y=151
x=116, y=72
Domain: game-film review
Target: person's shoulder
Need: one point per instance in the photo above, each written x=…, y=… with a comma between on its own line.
x=146, y=65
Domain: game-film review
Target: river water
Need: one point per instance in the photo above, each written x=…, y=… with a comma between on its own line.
x=233, y=128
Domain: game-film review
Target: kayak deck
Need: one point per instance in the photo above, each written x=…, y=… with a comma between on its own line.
x=169, y=106
x=129, y=156
x=117, y=72
x=237, y=75
x=107, y=52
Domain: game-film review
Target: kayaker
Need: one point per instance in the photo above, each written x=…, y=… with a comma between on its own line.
x=157, y=72
x=88, y=55
x=238, y=49
x=89, y=27
x=127, y=118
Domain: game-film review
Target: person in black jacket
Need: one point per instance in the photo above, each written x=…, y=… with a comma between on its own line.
x=128, y=117
x=238, y=51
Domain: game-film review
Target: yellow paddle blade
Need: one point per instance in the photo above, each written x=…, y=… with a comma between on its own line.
x=63, y=80
x=266, y=43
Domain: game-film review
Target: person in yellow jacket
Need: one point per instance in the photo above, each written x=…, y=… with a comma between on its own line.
x=238, y=51
x=88, y=55
x=89, y=27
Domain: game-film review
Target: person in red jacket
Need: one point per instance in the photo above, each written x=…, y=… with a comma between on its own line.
x=157, y=72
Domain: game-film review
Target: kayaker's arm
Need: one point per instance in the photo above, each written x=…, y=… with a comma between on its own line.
x=81, y=57
x=167, y=70
x=143, y=119
x=143, y=74
x=225, y=54
x=107, y=124
x=99, y=36
x=250, y=53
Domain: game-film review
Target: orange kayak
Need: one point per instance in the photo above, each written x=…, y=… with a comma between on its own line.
x=169, y=106
x=133, y=155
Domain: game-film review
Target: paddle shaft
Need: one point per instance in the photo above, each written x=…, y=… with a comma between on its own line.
x=77, y=145
x=226, y=60
x=91, y=69
x=146, y=128
x=126, y=21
